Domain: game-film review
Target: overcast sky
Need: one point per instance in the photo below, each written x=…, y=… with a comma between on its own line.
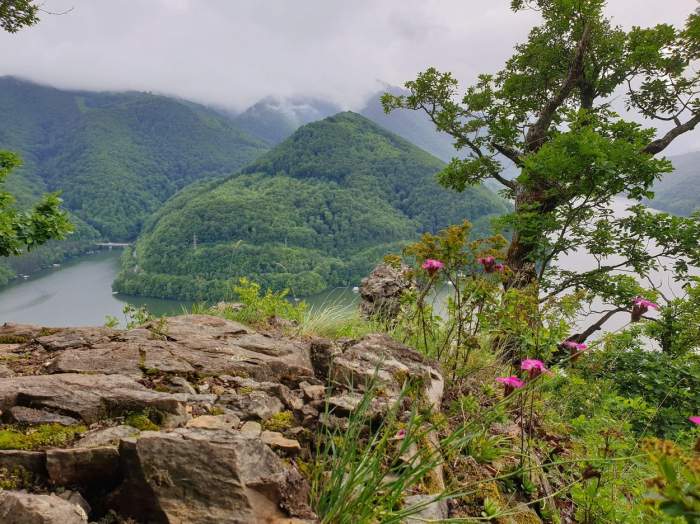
x=233, y=52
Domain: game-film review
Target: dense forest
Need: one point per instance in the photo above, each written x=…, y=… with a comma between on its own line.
x=317, y=211
x=114, y=156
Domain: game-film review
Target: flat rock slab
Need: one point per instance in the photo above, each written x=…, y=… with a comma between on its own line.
x=35, y=417
x=17, y=507
x=89, y=398
x=183, y=345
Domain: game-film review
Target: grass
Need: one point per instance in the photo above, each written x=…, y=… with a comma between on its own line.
x=38, y=437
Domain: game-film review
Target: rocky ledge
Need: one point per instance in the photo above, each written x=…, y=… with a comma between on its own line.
x=191, y=419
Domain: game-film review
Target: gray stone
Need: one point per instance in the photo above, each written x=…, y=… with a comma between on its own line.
x=253, y=405
x=83, y=466
x=17, y=507
x=106, y=436
x=251, y=429
x=31, y=461
x=34, y=417
x=382, y=290
x=279, y=442
x=207, y=477
x=74, y=497
x=219, y=422
x=429, y=510
x=180, y=385
x=86, y=397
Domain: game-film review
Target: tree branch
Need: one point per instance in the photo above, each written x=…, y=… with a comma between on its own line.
x=662, y=143
x=596, y=326
x=536, y=133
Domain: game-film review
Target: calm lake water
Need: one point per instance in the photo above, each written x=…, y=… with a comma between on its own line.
x=79, y=293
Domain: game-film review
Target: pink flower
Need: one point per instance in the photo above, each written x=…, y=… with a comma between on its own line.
x=510, y=384
x=533, y=366
x=695, y=420
x=641, y=305
x=499, y=268
x=575, y=348
x=489, y=263
x=400, y=434
x=432, y=266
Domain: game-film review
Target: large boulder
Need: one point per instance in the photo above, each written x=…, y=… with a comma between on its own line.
x=207, y=477
x=381, y=291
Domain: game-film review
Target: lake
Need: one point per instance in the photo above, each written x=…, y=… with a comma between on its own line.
x=79, y=293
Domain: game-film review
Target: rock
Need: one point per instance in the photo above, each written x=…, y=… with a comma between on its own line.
x=86, y=467
x=6, y=372
x=381, y=291
x=322, y=354
x=207, y=477
x=31, y=461
x=276, y=440
x=220, y=422
x=313, y=392
x=180, y=385
x=380, y=359
x=106, y=436
x=178, y=345
x=430, y=510
x=253, y=405
x=86, y=397
x=17, y=507
x=280, y=391
x=251, y=429
x=34, y=417
x=74, y=497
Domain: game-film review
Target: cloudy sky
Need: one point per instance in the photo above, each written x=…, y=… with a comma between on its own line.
x=233, y=52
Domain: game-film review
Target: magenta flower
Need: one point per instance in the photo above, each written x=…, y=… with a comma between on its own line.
x=499, y=268
x=489, y=263
x=641, y=305
x=510, y=384
x=400, y=434
x=432, y=266
x=533, y=366
x=575, y=348
x=695, y=420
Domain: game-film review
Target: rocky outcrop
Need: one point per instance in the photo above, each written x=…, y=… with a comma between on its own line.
x=17, y=507
x=191, y=419
x=381, y=291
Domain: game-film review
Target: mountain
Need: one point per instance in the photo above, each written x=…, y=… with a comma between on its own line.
x=116, y=157
x=414, y=126
x=274, y=119
x=677, y=192
x=316, y=211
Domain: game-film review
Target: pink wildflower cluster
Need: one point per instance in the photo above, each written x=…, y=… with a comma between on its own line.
x=641, y=305
x=510, y=384
x=575, y=348
x=432, y=266
x=490, y=265
x=695, y=420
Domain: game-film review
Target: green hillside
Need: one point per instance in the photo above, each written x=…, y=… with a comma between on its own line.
x=115, y=156
x=678, y=192
x=317, y=211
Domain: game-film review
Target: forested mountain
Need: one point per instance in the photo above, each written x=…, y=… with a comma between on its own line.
x=679, y=192
x=116, y=157
x=316, y=211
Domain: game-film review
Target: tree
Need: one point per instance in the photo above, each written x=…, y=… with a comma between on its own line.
x=20, y=230
x=549, y=113
x=16, y=14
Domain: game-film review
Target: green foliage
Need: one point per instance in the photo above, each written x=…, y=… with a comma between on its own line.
x=38, y=437
x=16, y=14
x=115, y=157
x=316, y=212
x=20, y=230
x=279, y=421
x=144, y=421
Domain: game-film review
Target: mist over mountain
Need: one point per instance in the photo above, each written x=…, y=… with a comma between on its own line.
x=679, y=192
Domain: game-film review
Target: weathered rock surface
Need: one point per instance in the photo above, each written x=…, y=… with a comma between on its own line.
x=208, y=477
x=231, y=406
x=381, y=291
x=17, y=507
